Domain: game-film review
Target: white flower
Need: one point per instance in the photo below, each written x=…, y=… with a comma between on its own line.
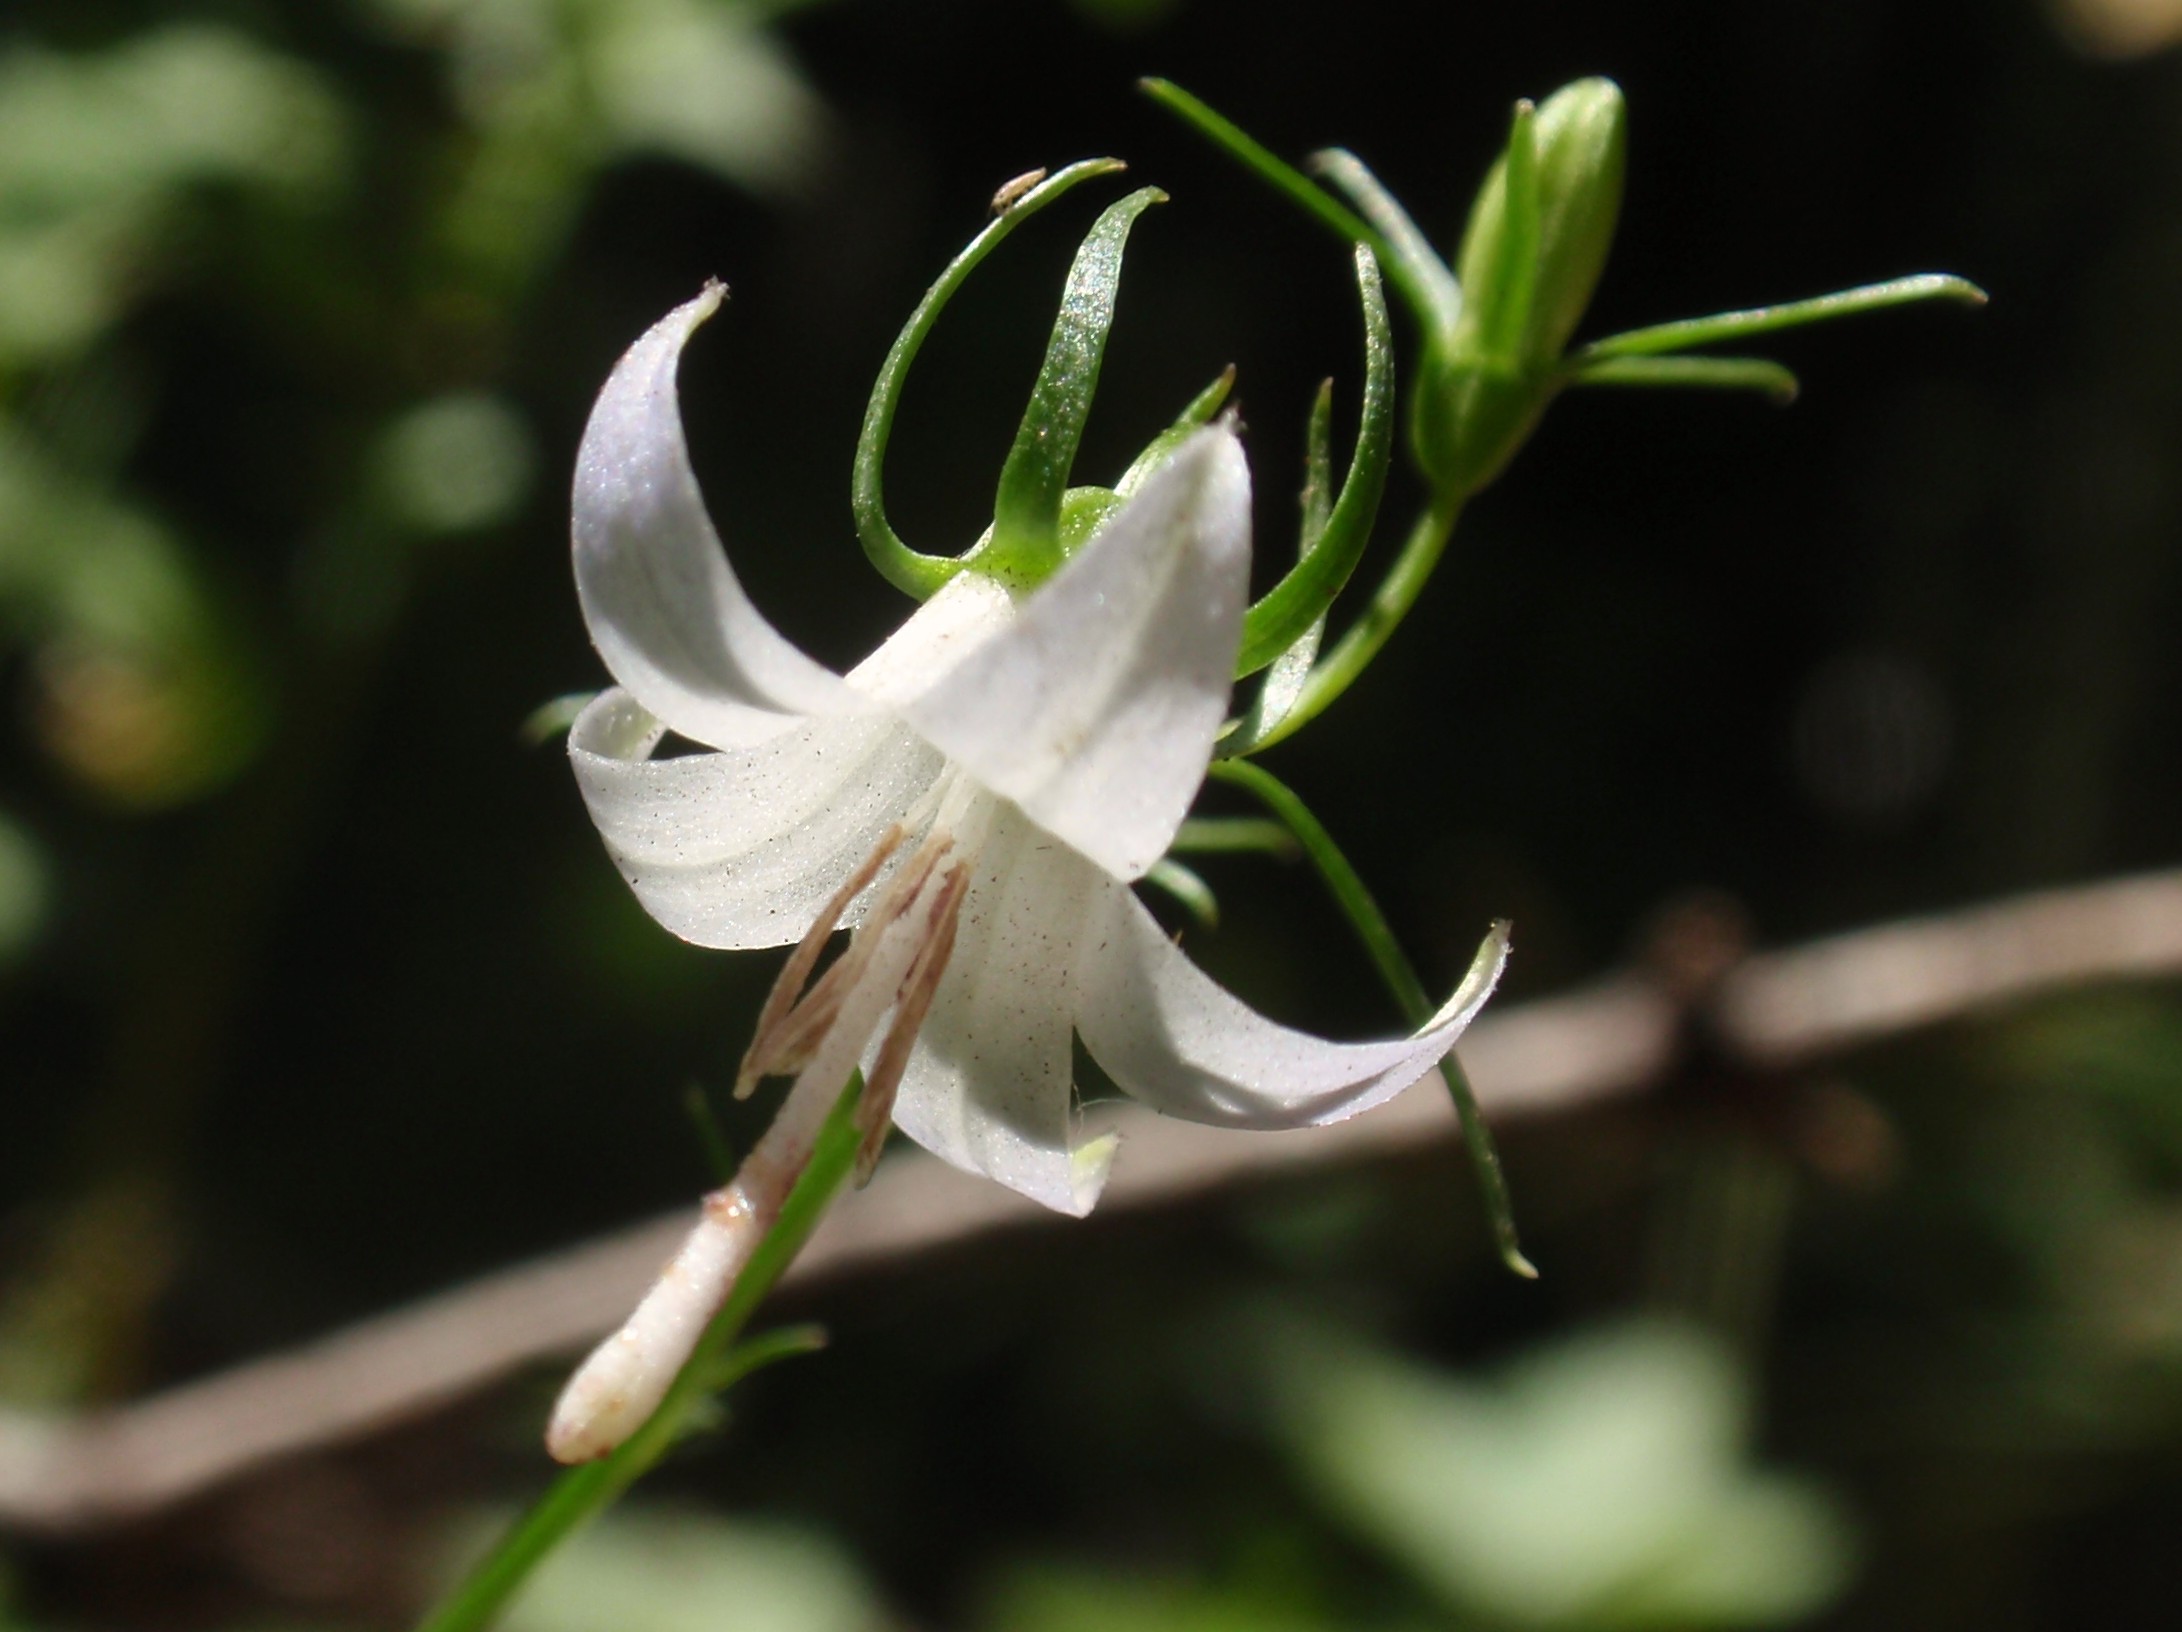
x=974, y=798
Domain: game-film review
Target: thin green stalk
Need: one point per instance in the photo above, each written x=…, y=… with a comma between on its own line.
x=583, y=1492
x=1269, y=166
x=1423, y=279
x=1355, y=900
x=1233, y=835
x=1360, y=643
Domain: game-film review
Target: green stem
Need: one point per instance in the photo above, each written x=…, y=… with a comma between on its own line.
x=1349, y=892
x=583, y=1492
x=1410, y=263
x=1269, y=166
x=1396, y=594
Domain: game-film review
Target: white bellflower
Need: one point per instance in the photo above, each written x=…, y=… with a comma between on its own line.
x=973, y=800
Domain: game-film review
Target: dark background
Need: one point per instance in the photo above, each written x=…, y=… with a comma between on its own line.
x=326, y=996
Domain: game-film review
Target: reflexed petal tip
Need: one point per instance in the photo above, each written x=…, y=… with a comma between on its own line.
x=1172, y=1037
x=662, y=604
x=1096, y=712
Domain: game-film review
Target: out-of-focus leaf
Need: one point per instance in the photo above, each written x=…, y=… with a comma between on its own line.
x=144, y=691
x=1599, y=1484
x=653, y=1571
x=94, y=147
x=23, y=889
x=456, y=463
x=703, y=83
x=1051, y=1599
x=187, y=103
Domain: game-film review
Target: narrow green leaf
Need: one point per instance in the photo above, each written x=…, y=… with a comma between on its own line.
x=1434, y=298
x=1691, y=373
x=909, y=570
x=1301, y=598
x=1348, y=890
x=1708, y=331
x=1026, y=535
x=766, y=1349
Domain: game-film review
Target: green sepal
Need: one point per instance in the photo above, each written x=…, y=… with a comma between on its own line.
x=1434, y=296
x=1531, y=256
x=1287, y=674
x=1498, y=262
x=1192, y=419
x=1263, y=162
x=906, y=569
x=1025, y=544
x=1084, y=510
x=1470, y=415
x=1576, y=149
x=1301, y=598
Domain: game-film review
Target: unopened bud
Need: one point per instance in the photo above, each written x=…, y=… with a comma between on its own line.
x=1531, y=256
x=1579, y=138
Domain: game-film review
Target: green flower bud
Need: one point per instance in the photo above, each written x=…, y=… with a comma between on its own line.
x=1531, y=256
x=1579, y=139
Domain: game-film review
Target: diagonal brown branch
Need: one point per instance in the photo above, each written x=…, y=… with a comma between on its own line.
x=1780, y=1008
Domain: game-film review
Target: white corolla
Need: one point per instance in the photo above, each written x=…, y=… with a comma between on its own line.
x=1050, y=743
x=973, y=800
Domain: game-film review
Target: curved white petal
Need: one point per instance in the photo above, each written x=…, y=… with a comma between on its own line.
x=1096, y=712
x=989, y=1086
x=742, y=847
x=1174, y=1038
x=662, y=604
